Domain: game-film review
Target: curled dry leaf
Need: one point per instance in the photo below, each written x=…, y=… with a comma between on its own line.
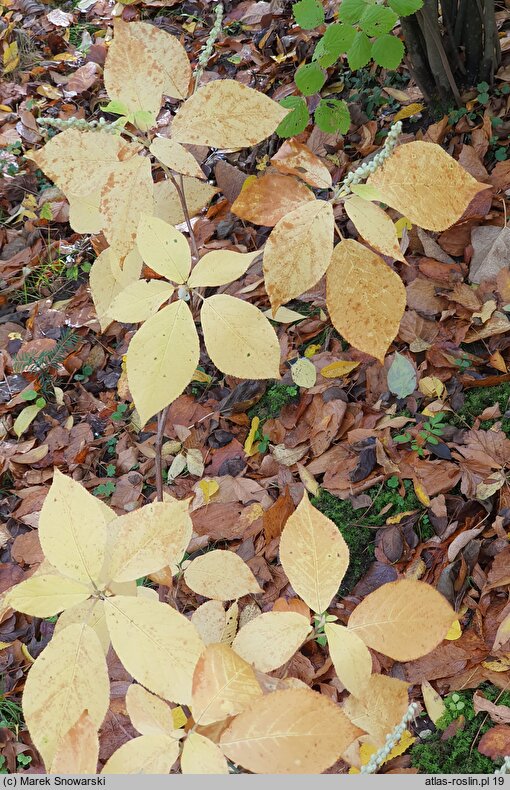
x=221, y=575
x=296, y=159
x=271, y=639
x=266, y=200
x=495, y=742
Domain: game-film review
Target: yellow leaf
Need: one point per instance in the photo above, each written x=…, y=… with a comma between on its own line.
x=402, y=224
x=148, y=754
x=338, y=369
x=208, y=488
x=210, y=621
x=4, y=645
x=239, y=339
x=84, y=213
x=68, y=677
x=105, y=286
x=168, y=206
x=404, y=620
x=221, y=575
x=72, y=529
x=220, y=267
x=379, y=707
x=271, y=639
x=170, y=55
x=176, y=157
x=374, y=226
x=298, y=251
x=366, y=750
x=91, y=613
x=350, y=656
x=78, y=750
x=285, y=316
x=297, y=159
x=25, y=418
x=303, y=373
x=295, y=731
x=248, y=445
x=314, y=555
x=10, y=57
x=128, y=270
x=226, y=114
x=149, y=714
x=139, y=300
x=454, y=631
x=408, y=112
x=179, y=718
x=431, y=386
x=503, y=665
x=310, y=350
x=164, y=249
x=223, y=685
x=47, y=594
x=148, y=539
x=157, y=645
x=202, y=377
x=421, y=493
x=201, y=756
x=425, y=184
x=365, y=298
x=433, y=702
x=25, y=651
x=164, y=351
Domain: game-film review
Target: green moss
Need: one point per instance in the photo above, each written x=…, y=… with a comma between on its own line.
x=275, y=398
x=458, y=755
x=480, y=398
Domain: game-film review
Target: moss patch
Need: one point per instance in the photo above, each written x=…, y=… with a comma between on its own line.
x=458, y=755
x=275, y=398
x=480, y=398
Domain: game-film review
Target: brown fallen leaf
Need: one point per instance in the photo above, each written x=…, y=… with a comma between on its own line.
x=496, y=742
x=500, y=714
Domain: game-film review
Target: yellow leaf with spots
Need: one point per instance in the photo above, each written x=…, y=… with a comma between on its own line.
x=366, y=750
x=167, y=205
x=44, y=595
x=408, y=112
x=374, y=226
x=78, y=751
x=170, y=55
x=139, y=300
x=176, y=157
x=379, y=706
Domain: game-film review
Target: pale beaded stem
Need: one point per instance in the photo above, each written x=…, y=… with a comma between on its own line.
x=367, y=168
x=207, y=51
x=80, y=123
x=505, y=768
x=392, y=739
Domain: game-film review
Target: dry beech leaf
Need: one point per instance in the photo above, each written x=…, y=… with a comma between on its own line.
x=148, y=754
x=201, y=756
x=78, y=751
x=167, y=205
x=224, y=684
x=167, y=645
x=269, y=198
x=226, y=114
x=210, y=620
x=426, y=185
x=45, y=595
x=220, y=267
x=176, y=157
x=56, y=695
x=365, y=298
x=289, y=732
x=386, y=617
x=350, y=656
x=298, y=251
x=314, y=555
x=91, y=613
x=165, y=352
x=149, y=715
x=139, y=300
x=379, y=707
x=221, y=575
x=271, y=639
x=239, y=339
x=171, y=57
x=297, y=160
x=374, y=226
x=164, y=248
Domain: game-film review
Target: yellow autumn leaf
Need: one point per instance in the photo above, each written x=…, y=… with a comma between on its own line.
x=239, y=339
x=47, y=594
x=338, y=369
x=421, y=493
x=454, y=631
x=171, y=57
x=139, y=300
x=402, y=224
x=208, y=488
x=365, y=298
x=350, y=656
x=148, y=754
x=297, y=160
x=298, y=251
x=224, y=684
x=226, y=114
x=221, y=575
x=374, y=226
x=78, y=750
x=201, y=756
x=72, y=529
x=157, y=645
x=210, y=620
x=366, y=750
x=271, y=639
x=84, y=213
x=148, y=539
x=25, y=418
x=176, y=157
x=408, y=112
x=167, y=205
x=379, y=707
x=312, y=349
x=250, y=439
x=295, y=731
x=220, y=267
x=10, y=57
x=56, y=694
x=105, y=286
x=431, y=387
x=386, y=617
x=433, y=702
x=149, y=714
x=314, y=555
x=91, y=613
x=165, y=352
x=426, y=185
x=284, y=316
x=164, y=248
x=303, y=373
x=366, y=192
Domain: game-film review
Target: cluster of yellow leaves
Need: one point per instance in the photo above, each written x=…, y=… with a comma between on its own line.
x=92, y=561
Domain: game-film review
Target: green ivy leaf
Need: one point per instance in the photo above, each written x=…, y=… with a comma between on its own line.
x=405, y=7
x=388, y=51
x=308, y=14
x=336, y=40
x=297, y=120
x=377, y=19
x=332, y=115
x=351, y=10
x=309, y=78
x=401, y=377
x=360, y=51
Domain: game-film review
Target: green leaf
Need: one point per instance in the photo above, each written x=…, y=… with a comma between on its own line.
x=116, y=108
x=388, y=51
x=351, y=10
x=401, y=377
x=308, y=14
x=297, y=120
x=360, y=51
x=310, y=78
x=46, y=212
x=377, y=19
x=336, y=40
x=29, y=395
x=405, y=7
x=332, y=115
